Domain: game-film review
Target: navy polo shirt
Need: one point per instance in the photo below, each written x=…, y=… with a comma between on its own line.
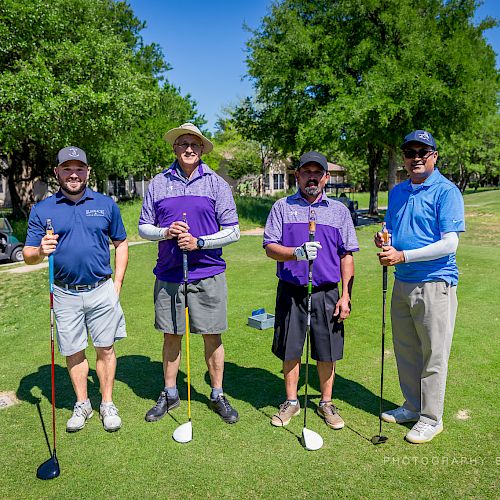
x=417, y=217
x=84, y=228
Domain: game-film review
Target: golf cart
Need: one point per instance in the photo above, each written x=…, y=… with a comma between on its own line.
x=10, y=247
x=345, y=192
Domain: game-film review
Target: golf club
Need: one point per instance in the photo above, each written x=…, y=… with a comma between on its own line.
x=184, y=433
x=386, y=240
x=50, y=468
x=310, y=440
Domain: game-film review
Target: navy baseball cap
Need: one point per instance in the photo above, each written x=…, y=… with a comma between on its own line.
x=71, y=153
x=314, y=157
x=421, y=136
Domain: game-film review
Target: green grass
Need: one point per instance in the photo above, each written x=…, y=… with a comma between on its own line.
x=252, y=459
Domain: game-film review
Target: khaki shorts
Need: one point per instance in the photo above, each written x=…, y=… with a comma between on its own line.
x=96, y=312
x=207, y=304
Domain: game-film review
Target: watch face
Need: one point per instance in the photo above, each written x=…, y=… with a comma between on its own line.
x=200, y=243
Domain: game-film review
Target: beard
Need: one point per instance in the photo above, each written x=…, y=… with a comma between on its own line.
x=312, y=188
x=65, y=186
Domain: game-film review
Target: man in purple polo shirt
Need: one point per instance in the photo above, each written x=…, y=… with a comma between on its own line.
x=286, y=241
x=190, y=187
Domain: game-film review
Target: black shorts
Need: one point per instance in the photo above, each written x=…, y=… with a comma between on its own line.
x=327, y=334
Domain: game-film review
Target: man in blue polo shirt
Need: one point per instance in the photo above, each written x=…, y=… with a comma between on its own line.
x=86, y=300
x=424, y=217
x=190, y=187
x=286, y=241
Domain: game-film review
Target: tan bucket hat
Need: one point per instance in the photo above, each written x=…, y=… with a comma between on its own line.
x=188, y=128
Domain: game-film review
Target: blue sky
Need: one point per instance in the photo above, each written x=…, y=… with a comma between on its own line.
x=204, y=42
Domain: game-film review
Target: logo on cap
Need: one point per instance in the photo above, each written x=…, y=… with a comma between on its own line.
x=424, y=135
x=74, y=152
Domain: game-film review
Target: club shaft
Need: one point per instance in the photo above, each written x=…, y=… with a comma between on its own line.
x=52, y=360
x=312, y=235
x=384, y=302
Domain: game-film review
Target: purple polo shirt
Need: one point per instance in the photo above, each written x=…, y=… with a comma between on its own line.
x=207, y=200
x=288, y=225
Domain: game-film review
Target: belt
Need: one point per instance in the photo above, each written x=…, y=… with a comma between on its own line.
x=81, y=288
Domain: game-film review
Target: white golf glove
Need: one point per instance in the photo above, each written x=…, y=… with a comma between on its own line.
x=308, y=251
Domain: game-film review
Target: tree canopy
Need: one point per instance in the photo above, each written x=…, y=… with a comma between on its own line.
x=355, y=76
x=73, y=72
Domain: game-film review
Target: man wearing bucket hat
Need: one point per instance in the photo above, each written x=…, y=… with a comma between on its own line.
x=189, y=208
x=286, y=240
x=85, y=298
x=425, y=216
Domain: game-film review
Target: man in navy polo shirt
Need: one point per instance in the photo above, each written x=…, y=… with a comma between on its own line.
x=424, y=217
x=190, y=187
x=86, y=300
x=286, y=241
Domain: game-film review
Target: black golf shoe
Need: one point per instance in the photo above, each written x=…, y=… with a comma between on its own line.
x=223, y=408
x=162, y=406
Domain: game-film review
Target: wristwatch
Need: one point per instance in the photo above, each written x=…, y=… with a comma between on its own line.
x=200, y=243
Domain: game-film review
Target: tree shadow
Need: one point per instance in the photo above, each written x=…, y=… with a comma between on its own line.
x=145, y=378
x=64, y=394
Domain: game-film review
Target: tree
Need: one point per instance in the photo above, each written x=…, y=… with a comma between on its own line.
x=475, y=154
x=142, y=150
x=355, y=76
x=71, y=72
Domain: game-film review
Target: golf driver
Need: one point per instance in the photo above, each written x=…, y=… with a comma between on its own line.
x=184, y=433
x=50, y=468
x=386, y=240
x=310, y=440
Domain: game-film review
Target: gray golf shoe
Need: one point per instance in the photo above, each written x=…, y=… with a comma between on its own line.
x=285, y=413
x=81, y=413
x=399, y=416
x=110, y=418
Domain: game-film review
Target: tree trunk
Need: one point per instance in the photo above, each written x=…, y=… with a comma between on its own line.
x=21, y=175
x=393, y=167
x=374, y=159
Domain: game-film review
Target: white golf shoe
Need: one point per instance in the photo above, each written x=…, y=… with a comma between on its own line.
x=422, y=432
x=399, y=416
x=81, y=413
x=109, y=416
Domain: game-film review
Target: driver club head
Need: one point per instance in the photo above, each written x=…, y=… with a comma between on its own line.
x=311, y=440
x=379, y=439
x=183, y=433
x=49, y=469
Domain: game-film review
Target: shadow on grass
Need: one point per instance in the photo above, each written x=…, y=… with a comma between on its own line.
x=145, y=378
x=65, y=396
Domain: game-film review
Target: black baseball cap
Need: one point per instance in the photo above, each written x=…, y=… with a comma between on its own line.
x=313, y=157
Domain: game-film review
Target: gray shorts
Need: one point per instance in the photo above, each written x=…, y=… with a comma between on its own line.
x=96, y=312
x=207, y=304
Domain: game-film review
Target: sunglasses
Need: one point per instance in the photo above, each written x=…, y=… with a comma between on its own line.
x=421, y=153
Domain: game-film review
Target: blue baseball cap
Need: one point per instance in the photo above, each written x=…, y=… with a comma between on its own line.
x=313, y=157
x=421, y=136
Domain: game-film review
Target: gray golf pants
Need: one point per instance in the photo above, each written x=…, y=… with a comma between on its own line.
x=423, y=319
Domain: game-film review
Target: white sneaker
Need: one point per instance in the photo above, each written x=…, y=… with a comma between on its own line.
x=399, y=416
x=81, y=413
x=109, y=416
x=422, y=432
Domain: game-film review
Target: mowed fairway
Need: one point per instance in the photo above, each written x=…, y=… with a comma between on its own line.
x=252, y=459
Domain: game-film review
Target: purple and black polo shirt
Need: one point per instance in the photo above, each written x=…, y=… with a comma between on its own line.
x=207, y=200
x=288, y=225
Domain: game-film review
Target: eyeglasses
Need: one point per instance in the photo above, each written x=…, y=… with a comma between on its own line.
x=192, y=145
x=421, y=153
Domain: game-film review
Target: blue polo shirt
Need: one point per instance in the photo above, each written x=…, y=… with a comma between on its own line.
x=417, y=218
x=84, y=229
